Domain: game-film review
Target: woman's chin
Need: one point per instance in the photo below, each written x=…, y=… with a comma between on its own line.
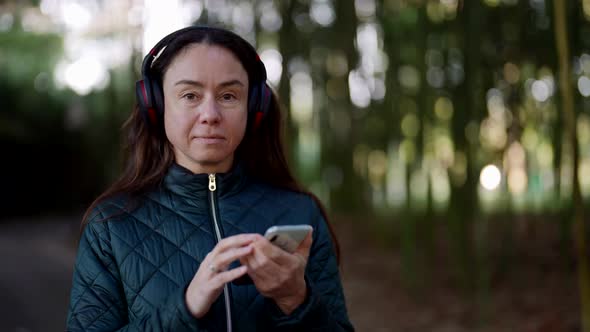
x=210, y=163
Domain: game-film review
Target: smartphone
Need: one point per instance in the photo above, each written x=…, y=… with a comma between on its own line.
x=287, y=237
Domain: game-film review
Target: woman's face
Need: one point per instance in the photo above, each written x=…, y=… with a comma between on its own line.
x=205, y=99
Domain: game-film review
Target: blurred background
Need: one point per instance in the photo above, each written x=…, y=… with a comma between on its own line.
x=449, y=139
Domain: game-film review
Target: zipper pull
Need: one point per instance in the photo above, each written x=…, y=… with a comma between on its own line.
x=212, y=184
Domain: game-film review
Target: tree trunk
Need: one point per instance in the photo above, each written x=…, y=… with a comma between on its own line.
x=569, y=117
x=349, y=196
x=468, y=99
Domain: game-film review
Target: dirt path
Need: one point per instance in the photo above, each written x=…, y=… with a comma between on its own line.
x=537, y=295
x=35, y=276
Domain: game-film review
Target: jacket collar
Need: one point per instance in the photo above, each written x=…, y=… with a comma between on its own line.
x=182, y=181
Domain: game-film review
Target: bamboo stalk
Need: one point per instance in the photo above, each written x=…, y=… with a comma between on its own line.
x=579, y=227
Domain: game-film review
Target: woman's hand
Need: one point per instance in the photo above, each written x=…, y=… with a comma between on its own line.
x=208, y=282
x=277, y=274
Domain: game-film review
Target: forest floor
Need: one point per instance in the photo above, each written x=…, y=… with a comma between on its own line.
x=530, y=286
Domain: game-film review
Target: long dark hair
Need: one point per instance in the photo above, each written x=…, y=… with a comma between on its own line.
x=148, y=154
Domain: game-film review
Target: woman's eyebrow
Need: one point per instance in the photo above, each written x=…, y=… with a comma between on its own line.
x=200, y=84
x=231, y=83
x=189, y=82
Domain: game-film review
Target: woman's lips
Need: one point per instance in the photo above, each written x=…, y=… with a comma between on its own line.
x=210, y=139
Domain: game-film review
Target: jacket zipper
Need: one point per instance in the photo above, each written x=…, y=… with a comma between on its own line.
x=213, y=206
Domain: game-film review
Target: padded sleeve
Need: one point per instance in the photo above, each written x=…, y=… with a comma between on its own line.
x=97, y=300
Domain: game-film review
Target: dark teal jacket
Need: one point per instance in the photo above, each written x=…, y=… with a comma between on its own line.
x=137, y=257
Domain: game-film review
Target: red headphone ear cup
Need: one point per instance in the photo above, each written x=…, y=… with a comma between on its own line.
x=141, y=94
x=259, y=103
x=257, y=119
x=253, y=100
x=265, y=98
x=150, y=100
x=143, y=101
x=158, y=99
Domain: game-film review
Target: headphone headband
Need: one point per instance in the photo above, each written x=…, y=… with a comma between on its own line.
x=160, y=47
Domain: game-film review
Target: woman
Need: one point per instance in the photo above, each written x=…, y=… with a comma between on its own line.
x=175, y=244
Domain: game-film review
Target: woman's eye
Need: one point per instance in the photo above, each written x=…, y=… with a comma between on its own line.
x=228, y=97
x=190, y=96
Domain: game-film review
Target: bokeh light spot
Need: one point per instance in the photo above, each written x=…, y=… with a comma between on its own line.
x=490, y=177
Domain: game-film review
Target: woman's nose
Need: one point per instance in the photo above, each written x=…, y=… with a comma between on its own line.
x=209, y=112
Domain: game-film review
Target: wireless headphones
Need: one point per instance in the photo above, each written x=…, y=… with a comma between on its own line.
x=150, y=96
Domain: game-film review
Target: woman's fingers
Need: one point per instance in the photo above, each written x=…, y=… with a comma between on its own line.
x=239, y=240
x=204, y=289
x=224, y=277
x=222, y=260
x=225, y=251
x=260, y=265
x=305, y=245
x=272, y=252
x=302, y=252
x=212, y=275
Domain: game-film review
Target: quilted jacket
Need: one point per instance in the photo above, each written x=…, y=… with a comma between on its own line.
x=136, y=258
